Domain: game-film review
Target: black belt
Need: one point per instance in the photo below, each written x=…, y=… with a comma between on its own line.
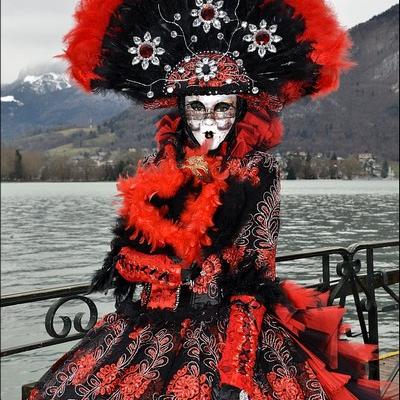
x=195, y=301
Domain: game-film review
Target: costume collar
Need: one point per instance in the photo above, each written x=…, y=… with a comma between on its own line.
x=255, y=131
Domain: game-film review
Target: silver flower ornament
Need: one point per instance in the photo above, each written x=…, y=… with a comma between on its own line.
x=209, y=14
x=146, y=50
x=206, y=69
x=262, y=38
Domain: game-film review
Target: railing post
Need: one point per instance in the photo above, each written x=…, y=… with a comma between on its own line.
x=372, y=313
x=326, y=276
x=348, y=270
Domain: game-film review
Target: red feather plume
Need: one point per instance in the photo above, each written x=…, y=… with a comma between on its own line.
x=331, y=42
x=85, y=40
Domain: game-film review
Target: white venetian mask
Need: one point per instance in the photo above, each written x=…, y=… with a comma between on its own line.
x=210, y=117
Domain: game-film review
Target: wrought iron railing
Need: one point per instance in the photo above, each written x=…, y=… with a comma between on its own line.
x=349, y=281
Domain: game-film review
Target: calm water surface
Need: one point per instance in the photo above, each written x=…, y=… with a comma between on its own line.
x=55, y=234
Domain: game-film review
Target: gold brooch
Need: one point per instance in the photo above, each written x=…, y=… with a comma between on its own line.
x=198, y=165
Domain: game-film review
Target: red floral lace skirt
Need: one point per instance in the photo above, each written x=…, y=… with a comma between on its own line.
x=161, y=356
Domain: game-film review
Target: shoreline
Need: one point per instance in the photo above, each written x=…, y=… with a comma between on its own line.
x=360, y=179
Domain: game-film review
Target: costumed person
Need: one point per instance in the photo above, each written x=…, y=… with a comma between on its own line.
x=200, y=313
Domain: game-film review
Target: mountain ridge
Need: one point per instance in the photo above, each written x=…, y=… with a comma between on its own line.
x=50, y=100
x=362, y=116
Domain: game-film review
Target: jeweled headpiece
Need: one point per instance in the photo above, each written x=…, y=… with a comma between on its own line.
x=270, y=52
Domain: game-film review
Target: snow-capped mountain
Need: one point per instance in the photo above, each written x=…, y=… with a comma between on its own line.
x=47, y=83
x=43, y=101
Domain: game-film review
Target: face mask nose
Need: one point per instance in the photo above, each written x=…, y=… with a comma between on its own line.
x=209, y=121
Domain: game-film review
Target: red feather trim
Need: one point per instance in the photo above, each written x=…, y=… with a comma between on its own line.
x=292, y=91
x=84, y=42
x=166, y=127
x=189, y=233
x=135, y=266
x=331, y=42
x=138, y=190
x=256, y=130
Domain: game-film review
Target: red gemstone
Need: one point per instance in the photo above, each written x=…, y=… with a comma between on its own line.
x=146, y=51
x=208, y=13
x=262, y=38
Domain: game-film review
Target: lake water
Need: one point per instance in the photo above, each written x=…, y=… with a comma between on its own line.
x=54, y=234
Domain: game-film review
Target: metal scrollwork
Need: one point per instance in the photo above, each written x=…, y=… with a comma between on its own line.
x=348, y=271
x=51, y=314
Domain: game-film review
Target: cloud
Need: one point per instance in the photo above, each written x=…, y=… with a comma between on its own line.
x=353, y=12
x=32, y=33
x=40, y=69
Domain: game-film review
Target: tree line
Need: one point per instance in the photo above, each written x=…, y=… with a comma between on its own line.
x=329, y=166
x=17, y=165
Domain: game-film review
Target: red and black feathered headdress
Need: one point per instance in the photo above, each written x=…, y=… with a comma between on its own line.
x=271, y=52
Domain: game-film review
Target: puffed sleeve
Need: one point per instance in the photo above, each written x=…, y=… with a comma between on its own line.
x=250, y=280
x=132, y=260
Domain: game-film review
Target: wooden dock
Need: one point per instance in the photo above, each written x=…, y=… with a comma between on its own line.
x=389, y=371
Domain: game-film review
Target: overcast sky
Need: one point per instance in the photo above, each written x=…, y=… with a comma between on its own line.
x=32, y=30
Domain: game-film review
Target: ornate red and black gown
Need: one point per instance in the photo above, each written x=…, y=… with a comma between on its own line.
x=199, y=309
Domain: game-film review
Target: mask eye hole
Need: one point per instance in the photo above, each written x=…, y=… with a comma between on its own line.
x=222, y=107
x=197, y=106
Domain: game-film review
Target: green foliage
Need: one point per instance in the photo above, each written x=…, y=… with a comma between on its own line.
x=18, y=169
x=301, y=165
x=86, y=165
x=385, y=170
x=31, y=166
x=291, y=174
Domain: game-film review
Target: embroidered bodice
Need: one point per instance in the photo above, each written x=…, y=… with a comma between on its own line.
x=227, y=229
